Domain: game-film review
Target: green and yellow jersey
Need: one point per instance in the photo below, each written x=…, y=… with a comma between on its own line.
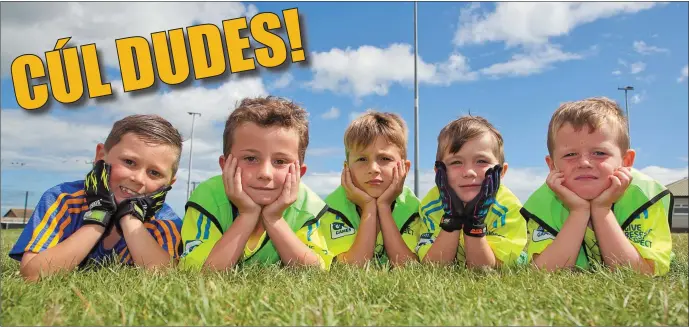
x=209, y=214
x=642, y=212
x=506, y=229
x=339, y=225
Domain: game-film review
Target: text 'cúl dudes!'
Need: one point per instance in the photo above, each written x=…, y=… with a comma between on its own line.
x=66, y=71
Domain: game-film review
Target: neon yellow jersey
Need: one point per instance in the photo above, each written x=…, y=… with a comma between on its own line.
x=340, y=236
x=339, y=225
x=207, y=235
x=647, y=233
x=506, y=228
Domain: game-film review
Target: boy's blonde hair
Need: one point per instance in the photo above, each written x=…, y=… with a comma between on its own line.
x=363, y=131
x=152, y=129
x=593, y=112
x=266, y=112
x=455, y=134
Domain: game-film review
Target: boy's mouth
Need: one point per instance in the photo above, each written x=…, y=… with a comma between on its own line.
x=585, y=178
x=128, y=191
x=470, y=186
x=375, y=182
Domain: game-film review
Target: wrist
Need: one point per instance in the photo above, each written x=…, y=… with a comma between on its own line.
x=600, y=211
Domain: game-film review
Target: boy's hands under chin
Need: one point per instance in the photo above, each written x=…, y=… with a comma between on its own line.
x=399, y=173
x=620, y=180
x=355, y=194
x=290, y=189
x=570, y=199
x=232, y=180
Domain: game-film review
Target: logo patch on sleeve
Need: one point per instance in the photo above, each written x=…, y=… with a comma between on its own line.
x=338, y=230
x=540, y=234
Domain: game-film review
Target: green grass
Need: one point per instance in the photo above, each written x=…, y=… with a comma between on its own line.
x=417, y=295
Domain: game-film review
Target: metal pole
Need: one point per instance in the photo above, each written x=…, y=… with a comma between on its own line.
x=191, y=149
x=416, y=109
x=626, y=110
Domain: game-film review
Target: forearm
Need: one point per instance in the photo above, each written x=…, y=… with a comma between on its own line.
x=230, y=247
x=478, y=252
x=144, y=249
x=564, y=250
x=614, y=245
x=444, y=248
x=66, y=255
x=397, y=251
x=364, y=243
x=291, y=249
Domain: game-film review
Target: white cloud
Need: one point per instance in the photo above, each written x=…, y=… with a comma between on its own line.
x=637, y=67
x=354, y=114
x=683, y=74
x=522, y=23
x=617, y=72
x=283, y=81
x=622, y=62
x=34, y=27
x=665, y=175
x=637, y=98
x=331, y=114
x=644, y=49
x=370, y=70
x=533, y=62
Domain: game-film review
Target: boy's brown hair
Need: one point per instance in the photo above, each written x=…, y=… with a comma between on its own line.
x=152, y=129
x=266, y=112
x=593, y=112
x=363, y=131
x=455, y=134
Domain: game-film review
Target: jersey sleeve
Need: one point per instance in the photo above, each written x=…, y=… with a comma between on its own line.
x=429, y=227
x=338, y=236
x=166, y=233
x=506, y=231
x=199, y=236
x=49, y=224
x=650, y=234
x=412, y=232
x=311, y=235
x=538, y=239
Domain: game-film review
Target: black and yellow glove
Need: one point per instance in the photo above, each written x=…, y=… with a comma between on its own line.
x=142, y=207
x=477, y=209
x=99, y=197
x=453, y=208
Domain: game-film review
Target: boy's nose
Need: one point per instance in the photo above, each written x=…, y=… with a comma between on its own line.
x=264, y=171
x=374, y=168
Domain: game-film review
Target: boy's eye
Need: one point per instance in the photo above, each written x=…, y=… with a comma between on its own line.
x=599, y=153
x=569, y=154
x=155, y=173
x=387, y=158
x=250, y=158
x=280, y=162
x=456, y=162
x=481, y=161
x=361, y=159
x=128, y=162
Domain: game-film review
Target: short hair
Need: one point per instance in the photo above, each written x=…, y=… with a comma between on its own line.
x=593, y=112
x=266, y=112
x=364, y=130
x=455, y=134
x=152, y=129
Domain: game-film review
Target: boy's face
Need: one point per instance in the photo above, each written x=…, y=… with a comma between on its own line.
x=467, y=168
x=137, y=167
x=372, y=167
x=587, y=159
x=264, y=155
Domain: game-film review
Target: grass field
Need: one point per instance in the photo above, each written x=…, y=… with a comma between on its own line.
x=418, y=295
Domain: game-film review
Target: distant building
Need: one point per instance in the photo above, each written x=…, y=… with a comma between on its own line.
x=15, y=218
x=680, y=210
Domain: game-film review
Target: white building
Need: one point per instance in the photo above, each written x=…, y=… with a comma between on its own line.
x=680, y=210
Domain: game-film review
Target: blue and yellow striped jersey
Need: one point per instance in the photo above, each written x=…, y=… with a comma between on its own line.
x=60, y=213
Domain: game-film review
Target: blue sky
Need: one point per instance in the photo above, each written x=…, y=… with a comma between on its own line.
x=512, y=63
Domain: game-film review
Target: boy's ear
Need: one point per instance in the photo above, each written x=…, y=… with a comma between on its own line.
x=221, y=162
x=628, y=158
x=550, y=162
x=407, y=164
x=302, y=170
x=504, y=170
x=100, y=152
x=174, y=179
